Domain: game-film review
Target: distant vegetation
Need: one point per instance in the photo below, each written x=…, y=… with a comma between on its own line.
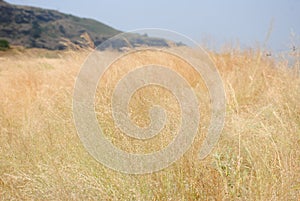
x=4, y=45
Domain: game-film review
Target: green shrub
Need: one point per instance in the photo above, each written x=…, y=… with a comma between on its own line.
x=4, y=45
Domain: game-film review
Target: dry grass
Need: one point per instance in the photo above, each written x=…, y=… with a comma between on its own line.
x=42, y=158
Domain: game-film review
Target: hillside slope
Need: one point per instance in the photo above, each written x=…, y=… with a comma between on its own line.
x=42, y=28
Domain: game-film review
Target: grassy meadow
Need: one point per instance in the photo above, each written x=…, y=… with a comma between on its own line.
x=42, y=158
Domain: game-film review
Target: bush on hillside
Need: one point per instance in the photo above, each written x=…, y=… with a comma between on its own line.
x=4, y=45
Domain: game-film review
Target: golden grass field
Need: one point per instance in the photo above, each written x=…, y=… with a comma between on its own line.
x=42, y=158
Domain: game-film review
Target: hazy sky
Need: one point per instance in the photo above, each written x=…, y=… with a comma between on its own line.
x=217, y=22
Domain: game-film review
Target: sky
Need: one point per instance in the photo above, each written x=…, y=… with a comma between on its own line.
x=214, y=23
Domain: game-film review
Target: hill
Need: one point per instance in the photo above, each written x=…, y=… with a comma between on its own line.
x=42, y=28
x=50, y=29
